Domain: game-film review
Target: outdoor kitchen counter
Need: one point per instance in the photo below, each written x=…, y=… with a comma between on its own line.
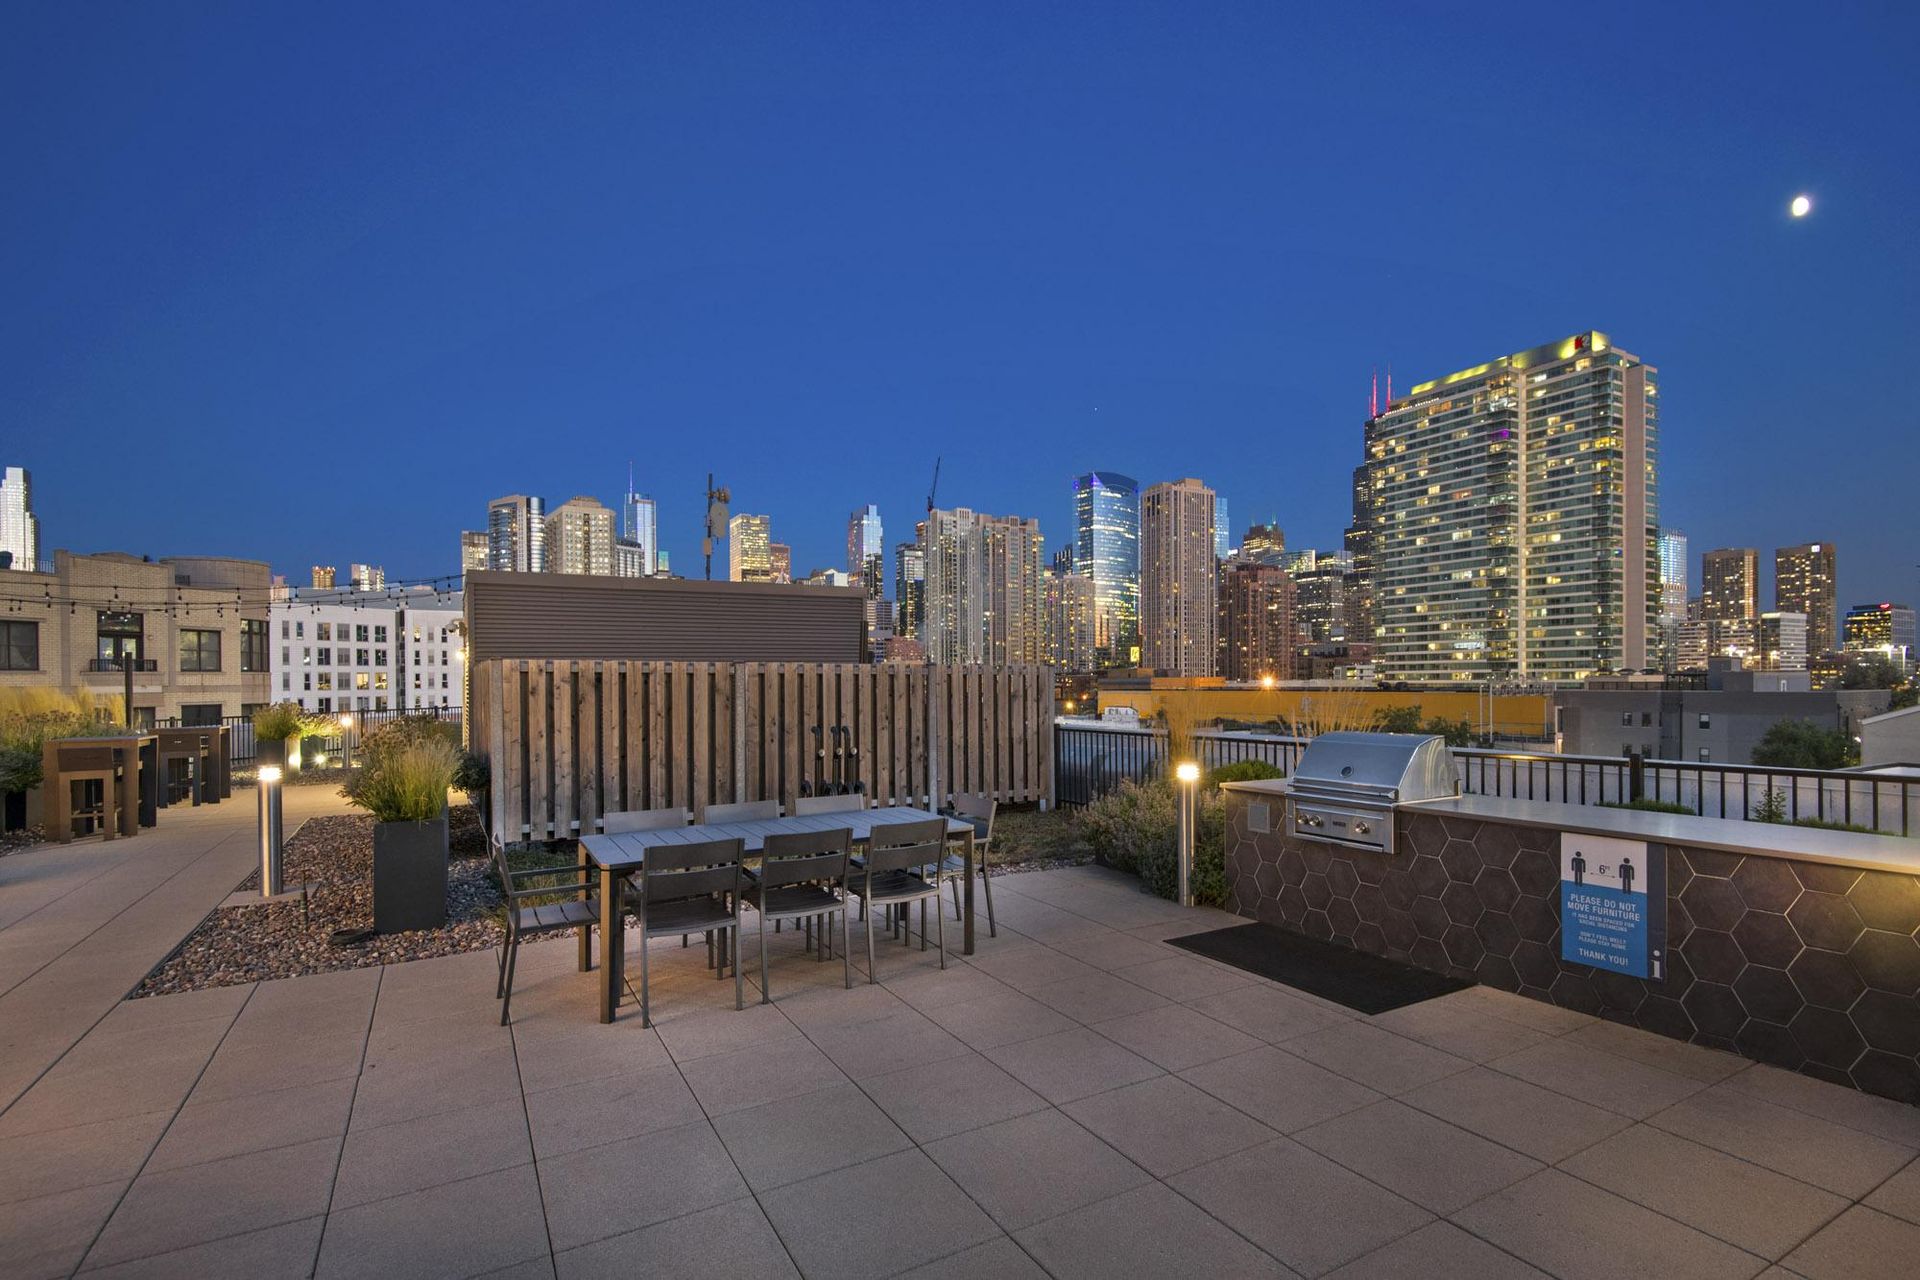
x=1727, y=835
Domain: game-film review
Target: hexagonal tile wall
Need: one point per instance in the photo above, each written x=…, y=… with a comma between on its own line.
x=1806, y=966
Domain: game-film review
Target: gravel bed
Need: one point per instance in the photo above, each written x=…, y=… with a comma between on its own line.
x=22, y=840
x=334, y=855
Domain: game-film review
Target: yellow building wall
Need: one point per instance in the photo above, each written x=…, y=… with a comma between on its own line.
x=1513, y=715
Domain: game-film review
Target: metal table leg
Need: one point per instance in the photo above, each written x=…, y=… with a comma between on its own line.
x=586, y=934
x=966, y=927
x=613, y=943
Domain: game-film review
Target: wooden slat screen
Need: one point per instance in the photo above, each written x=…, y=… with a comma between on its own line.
x=569, y=741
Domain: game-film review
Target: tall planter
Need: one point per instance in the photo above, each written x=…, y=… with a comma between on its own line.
x=271, y=751
x=20, y=809
x=409, y=875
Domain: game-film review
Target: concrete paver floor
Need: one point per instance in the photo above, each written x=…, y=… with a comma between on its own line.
x=1078, y=1099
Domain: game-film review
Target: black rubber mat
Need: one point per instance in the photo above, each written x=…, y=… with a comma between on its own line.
x=1360, y=981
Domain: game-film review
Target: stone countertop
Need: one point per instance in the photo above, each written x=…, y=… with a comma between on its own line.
x=1730, y=835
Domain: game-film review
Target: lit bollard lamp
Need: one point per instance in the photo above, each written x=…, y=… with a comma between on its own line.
x=271, y=875
x=1187, y=798
x=346, y=741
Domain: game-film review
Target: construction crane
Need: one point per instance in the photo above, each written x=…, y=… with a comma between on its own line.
x=934, y=487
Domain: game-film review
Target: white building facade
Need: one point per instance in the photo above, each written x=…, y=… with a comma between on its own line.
x=335, y=651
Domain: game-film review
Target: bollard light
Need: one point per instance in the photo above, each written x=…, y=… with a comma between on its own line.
x=271, y=879
x=1187, y=774
x=346, y=741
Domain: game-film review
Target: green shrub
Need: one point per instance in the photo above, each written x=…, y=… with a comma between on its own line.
x=278, y=721
x=1244, y=771
x=1135, y=827
x=1825, y=825
x=1772, y=806
x=1646, y=805
x=473, y=775
x=32, y=717
x=405, y=783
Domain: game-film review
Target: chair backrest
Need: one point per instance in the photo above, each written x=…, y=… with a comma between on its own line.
x=979, y=806
x=803, y=857
x=506, y=880
x=898, y=846
x=830, y=804
x=672, y=872
x=643, y=820
x=749, y=811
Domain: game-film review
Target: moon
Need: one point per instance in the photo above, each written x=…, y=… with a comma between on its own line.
x=1801, y=206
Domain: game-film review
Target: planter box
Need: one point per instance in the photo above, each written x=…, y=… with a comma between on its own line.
x=271, y=751
x=20, y=810
x=409, y=875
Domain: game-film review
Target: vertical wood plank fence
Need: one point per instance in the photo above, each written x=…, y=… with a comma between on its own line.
x=568, y=741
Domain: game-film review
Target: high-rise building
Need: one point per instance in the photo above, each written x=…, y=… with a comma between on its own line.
x=984, y=598
x=1781, y=641
x=1805, y=581
x=580, y=538
x=19, y=527
x=1881, y=628
x=517, y=534
x=1320, y=605
x=1730, y=585
x=1358, y=543
x=867, y=562
x=1674, y=586
x=1106, y=507
x=640, y=525
x=367, y=577
x=749, y=549
x=473, y=549
x=1263, y=544
x=629, y=559
x=1512, y=517
x=323, y=576
x=1069, y=617
x=779, y=562
x=1256, y=622
x=910, y=588
x=1178, y=579
x=1222, y=530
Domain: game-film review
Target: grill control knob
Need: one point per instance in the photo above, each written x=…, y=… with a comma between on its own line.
x=1361, y=828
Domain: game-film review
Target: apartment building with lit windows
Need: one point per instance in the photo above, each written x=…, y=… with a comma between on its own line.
x=1806, y=580
x=335, y=651
x=1512, y=515
x=1179, y=579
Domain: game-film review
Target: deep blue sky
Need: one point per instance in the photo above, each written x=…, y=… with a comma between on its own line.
x=314, y=283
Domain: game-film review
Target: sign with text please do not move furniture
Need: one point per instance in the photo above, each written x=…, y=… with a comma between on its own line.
x=1613, y=904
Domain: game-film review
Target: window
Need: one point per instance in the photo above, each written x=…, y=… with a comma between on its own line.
x=379, y=657
x=200, y=712
x=360, y=633
x=380, y=703
x=323, y=631
x=359, y=656
x=1705, y=754
x=1626, y=718
x=19, y=646
x=1706, y=722
x=379, y=679
x=1646, y=719
x=122, y=635
x=443, y=679
x=253, y=645
x=199, y=650
x=299, y=631
x=326, y=680
x=379, y=635
x=326, y=704
x=286, y=629
x=306, y=681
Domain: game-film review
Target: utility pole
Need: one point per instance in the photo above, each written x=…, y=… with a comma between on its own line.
x=717, y=500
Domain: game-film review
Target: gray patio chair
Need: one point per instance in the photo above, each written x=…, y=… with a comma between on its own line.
x=747, y=811
x=979, y=809
x=690, y=888
x=644, y=820
x=526, y=918
x=803, y=876
x=890, y=875
x=851, y=803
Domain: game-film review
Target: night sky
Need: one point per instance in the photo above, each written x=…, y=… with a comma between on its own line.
x=313, y=284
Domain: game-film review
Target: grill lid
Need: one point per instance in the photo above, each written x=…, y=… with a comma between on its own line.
x=1386, y=768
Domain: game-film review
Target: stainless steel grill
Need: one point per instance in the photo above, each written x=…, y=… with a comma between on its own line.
x=1344, y=789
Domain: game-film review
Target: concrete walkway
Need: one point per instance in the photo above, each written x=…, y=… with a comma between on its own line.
x=81, y=924
x=1079, y=1100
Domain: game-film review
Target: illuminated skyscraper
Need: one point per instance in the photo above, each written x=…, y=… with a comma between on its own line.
x=580, y=538
x=517, y=534
x=1179, y=585
x=910, y=588
x=1263, y=544
x=1222, y=531
x=323, y=575
x=19, y=527
x=473, y=549
x=1729, y=585
x=779, y=562
x=749, y=554
x=867, y=563
x=1107, y=549
x=1805, y=581
x=1782, y=642
x=1069, y=615
x=1257, y=626
x=984, y=595
x=640, y=526
x=1673, y=575
x=1881, y=628
x=1512, y=513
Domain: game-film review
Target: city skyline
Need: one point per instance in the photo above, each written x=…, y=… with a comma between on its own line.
x=1016, y=266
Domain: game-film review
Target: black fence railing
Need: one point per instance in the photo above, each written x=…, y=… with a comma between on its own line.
x=1090, y=760
x=342, y=736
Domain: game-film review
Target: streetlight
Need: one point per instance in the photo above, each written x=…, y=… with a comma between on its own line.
x=270, y=862
x=1187, y=773
x=346, y=740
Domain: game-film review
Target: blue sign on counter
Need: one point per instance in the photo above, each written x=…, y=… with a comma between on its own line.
x=1613, y=904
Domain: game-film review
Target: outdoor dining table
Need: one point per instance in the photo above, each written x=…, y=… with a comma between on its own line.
x=616, y=856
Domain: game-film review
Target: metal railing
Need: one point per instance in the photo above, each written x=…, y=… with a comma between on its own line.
x=245, y=749
x=1090, y=760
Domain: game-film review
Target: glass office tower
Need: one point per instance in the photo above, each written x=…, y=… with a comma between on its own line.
x=1107, y=549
